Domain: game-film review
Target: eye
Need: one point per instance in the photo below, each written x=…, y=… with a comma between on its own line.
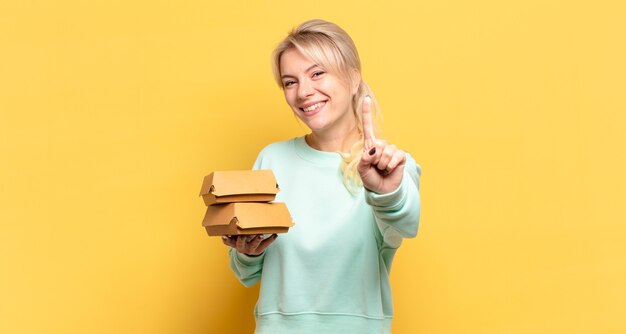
x=318, y=74
x=288, y=83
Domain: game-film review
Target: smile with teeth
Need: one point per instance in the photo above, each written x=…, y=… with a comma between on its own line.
x=313, y=107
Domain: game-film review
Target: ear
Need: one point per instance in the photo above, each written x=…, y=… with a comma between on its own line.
x=355, y=81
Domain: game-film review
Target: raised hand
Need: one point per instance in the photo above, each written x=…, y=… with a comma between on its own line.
x=382, y=165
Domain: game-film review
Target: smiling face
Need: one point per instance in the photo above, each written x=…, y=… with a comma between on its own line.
x=319, y=98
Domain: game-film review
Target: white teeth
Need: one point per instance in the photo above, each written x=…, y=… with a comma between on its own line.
x=313, y=107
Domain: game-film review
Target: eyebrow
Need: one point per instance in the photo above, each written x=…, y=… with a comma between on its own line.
x=291, y=76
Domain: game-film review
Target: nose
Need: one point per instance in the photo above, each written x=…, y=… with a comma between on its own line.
x=305, y=89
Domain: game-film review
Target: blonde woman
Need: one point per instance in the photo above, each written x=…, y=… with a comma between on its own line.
x=353, y=197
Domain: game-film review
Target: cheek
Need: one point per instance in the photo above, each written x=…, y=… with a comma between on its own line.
x=335, y=89
x=327, y=88
x=290, y=98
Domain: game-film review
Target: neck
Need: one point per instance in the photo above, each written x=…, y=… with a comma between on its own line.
x=336, y=141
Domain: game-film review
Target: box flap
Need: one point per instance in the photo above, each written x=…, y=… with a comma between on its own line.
x=255, y=215
x=227, y=183
x=248, y=216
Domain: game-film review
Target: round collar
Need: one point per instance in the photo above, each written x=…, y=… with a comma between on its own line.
x=310, y=154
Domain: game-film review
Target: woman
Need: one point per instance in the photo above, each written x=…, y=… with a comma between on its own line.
x=353, y=198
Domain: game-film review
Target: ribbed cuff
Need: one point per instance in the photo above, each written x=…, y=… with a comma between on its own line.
x=389, y=201
x=248, y=260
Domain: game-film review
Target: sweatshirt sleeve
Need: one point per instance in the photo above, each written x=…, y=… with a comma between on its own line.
x=246, y=268
x=397, y=213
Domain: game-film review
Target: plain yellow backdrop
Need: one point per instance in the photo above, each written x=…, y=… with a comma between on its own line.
x=111, y=112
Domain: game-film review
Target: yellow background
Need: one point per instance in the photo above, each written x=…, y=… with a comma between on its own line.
x=111, y=112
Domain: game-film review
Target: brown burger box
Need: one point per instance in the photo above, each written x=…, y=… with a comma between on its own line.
x=239, y=186
x=247, y=218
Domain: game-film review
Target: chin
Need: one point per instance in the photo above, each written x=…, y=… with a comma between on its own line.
x=316, y=127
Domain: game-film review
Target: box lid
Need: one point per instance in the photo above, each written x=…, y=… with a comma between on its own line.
x=248, y=215
x=244, y=182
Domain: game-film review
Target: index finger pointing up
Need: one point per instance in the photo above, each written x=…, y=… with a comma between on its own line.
x=368, y=131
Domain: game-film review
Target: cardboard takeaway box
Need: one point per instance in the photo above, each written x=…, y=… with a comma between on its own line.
x=247, y=218
x=239, y=186
x=238, y=203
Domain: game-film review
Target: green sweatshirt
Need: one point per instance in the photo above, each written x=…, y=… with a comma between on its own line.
x=330, y=272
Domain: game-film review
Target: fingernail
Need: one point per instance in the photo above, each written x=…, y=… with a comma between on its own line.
x=372, y=151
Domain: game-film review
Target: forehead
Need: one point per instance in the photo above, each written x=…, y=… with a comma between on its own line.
x=292, y=61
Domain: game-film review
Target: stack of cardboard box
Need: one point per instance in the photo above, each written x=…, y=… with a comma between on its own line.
x=238, y=202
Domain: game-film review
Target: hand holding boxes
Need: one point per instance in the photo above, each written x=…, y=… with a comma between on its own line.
x=238, y=202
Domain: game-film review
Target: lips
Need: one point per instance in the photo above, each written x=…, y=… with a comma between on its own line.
x=313, y=107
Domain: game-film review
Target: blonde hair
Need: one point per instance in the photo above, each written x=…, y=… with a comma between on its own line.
x=330, y=47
